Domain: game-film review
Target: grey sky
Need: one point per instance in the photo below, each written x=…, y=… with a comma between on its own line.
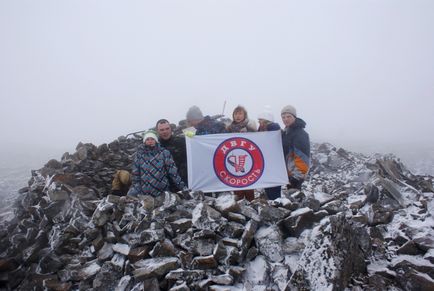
x=359, y=72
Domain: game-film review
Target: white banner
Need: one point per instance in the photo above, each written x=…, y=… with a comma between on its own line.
x=235, y=161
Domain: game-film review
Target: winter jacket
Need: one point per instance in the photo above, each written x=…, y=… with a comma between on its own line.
x=296, y=149
x=210, y=126
x=244, y=126
x=177, y=148
x=152, y=169
x=271, y=126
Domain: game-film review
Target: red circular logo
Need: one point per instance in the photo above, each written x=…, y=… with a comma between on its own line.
x=238, y=162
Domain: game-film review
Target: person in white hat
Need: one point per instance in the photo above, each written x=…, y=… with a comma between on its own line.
x=296, y=147
x=153, y=169
x=266, y=123
x=266, y=120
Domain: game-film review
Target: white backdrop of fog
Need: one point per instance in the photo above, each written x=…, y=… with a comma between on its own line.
x=359, y=72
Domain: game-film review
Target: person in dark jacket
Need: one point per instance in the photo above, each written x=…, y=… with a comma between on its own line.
x=266, y=123
x=153, y=167
x=175, y=145
x=241, y=123
x=296, y=147
x=204, y=125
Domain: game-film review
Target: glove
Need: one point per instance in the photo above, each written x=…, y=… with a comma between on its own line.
x=189, y=131
x=190, y=134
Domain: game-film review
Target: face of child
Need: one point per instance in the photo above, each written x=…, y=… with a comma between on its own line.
x=239, y=116
x=150, y=142
x=288, y=119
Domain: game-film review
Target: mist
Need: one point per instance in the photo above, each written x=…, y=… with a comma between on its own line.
x=360, y=73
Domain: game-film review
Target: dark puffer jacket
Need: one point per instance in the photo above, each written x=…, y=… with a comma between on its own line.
x=152, y=169
x=296, y=149
x=210, y=126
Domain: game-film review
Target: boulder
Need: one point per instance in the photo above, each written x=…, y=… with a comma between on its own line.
x=155, y=267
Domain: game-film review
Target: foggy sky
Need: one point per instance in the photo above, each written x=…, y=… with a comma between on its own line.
x=358, y=72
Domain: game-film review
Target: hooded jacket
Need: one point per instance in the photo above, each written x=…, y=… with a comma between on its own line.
x=296, y=149
x=152, y=169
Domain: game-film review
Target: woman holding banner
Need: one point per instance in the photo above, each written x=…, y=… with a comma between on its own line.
x=241, y=123
x=266, y=123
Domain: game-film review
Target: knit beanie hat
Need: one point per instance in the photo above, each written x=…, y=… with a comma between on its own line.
x=289, y=109
x=266, y=114
x=194, y=113
x=150, y=134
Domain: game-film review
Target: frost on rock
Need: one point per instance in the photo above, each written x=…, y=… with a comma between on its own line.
x=226, y=203
x=331, y=258
x=269, y=243
x=206, y=217
x=351, y=227
x=257, y=272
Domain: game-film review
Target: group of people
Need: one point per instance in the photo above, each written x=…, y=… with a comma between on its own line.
x=160, y=163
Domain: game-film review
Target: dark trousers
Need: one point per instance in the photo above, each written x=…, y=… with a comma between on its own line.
x=248, y=194
x=273, y=192
x=294, y=183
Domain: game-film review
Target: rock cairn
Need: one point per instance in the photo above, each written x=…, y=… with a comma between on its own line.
x=363, y=223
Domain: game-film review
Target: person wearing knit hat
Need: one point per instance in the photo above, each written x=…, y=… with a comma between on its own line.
x=194, y=115
x=149, y=136
x=296, y=147
x=266, y=120
x=266, y=123
x=289, y=109
x=203, y=125
x=266, y=114
x=154, y=170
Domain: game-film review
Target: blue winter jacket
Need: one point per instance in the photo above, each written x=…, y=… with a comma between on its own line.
x=296, y=149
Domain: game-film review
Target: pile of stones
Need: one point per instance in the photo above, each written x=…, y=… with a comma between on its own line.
x=363, y=223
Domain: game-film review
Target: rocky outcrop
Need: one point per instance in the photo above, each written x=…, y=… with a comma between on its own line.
x=336, y=252
x=364, y=223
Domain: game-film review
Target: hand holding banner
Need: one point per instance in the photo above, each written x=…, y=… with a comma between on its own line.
x=235, y=161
